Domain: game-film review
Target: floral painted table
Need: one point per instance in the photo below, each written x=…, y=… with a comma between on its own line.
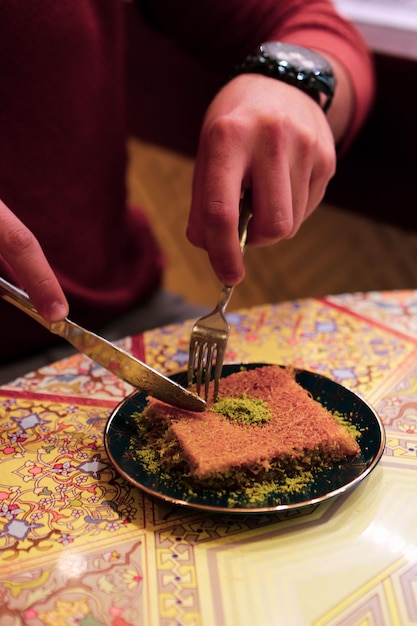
x=81, y=546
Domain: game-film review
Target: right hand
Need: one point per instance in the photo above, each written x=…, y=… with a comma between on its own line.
x=22, y=253
x=263, y=134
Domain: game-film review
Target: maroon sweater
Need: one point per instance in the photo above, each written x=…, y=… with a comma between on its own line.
x=63, y=131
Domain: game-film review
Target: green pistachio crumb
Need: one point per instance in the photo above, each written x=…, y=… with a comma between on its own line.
x=243, y=410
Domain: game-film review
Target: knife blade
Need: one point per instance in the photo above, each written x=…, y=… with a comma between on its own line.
x=108, y=355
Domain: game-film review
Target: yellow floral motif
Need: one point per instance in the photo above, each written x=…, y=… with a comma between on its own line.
x=407, y=428
x=65, y=613
x=131, y=578
x=28, y=581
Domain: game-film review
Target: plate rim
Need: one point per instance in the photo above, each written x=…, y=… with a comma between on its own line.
x=278, y=508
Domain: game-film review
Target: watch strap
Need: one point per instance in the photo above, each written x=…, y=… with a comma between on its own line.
x=313, y=81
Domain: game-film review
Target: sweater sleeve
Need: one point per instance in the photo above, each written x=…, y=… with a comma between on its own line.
x=220, y=34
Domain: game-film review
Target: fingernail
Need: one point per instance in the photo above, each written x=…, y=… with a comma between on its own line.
x=57, y=311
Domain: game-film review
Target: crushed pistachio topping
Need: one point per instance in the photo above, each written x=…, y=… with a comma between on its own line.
x=243, y=410
x=160, y=453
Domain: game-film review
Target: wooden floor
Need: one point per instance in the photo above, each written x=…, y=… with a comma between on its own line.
x=335, y=251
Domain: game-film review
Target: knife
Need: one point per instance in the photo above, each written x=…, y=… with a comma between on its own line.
x=108, y=355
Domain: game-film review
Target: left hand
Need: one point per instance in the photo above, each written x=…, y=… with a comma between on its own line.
x=263, y=134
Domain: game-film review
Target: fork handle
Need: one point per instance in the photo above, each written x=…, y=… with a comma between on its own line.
x=245, y=213
x=225, y=296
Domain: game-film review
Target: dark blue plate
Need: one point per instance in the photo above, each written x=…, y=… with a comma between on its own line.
x=121, y=434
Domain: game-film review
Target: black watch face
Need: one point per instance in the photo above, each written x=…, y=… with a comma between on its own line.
x=301, y=59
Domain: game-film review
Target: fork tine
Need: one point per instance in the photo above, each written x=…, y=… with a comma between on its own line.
x=196, y=363
x=221, y=350
x=211, y=349
x=191, y=361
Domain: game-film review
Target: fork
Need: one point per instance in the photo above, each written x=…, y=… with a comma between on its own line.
x=210, y=333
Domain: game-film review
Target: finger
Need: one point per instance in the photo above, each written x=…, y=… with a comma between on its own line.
x=22, y=252
x=214, y=215
x=316, y=164
x=221, y=235
x=272, y=196
x=291, y=192
x=322, y=173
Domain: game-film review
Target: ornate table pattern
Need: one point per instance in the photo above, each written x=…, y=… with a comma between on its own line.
x=79, y=545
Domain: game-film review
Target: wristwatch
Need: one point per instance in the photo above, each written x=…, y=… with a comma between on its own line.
x=297, y=66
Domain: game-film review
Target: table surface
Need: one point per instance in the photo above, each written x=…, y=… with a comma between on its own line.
x=80, y=545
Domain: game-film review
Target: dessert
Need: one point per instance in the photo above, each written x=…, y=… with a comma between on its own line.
x=264, y=429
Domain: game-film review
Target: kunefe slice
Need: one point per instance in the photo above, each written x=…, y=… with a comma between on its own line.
x=297, y=434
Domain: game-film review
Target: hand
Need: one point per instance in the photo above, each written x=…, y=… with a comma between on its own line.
x=264, y=134
x=22, y=254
